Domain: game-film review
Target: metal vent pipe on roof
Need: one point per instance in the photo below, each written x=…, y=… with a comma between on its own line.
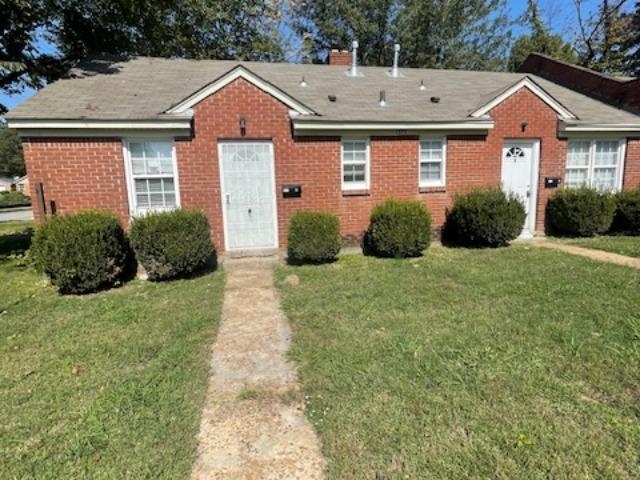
x=396, y=55
x=354, y=58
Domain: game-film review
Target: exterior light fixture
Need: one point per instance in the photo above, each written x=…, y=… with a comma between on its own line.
x=243, y=126
x=523, y=126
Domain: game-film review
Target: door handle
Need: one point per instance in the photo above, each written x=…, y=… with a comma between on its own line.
x=249, y=211
x=226, y=195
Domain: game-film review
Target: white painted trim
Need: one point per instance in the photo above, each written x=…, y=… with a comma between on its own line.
x=225, y=229
x=183, y=123
x=400, y=128
x=443, y=181
x=129, y=180
x=92, y=133
x=534, y=179
x=367, y=166
x=526, y=82
x=232, y=75
x=595, y=128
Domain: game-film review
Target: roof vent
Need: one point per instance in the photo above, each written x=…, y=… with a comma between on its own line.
x=396, y=55
x=422, y=86
x=353, y=71
x=435, y=99
x=303, y=82
x=383, y=98
x=332, y=98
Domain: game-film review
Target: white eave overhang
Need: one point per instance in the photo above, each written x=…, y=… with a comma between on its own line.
x=320, y=127
x=174, y=125
x=620, y=128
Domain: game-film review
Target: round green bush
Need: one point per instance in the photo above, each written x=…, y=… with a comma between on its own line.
x=81, y=253
x=580, y=212
x=313, y=237
x=485, y=217
x=627, y=217
x=172, y=244
x=398, y=229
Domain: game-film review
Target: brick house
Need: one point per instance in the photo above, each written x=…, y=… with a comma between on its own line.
x=250, y=143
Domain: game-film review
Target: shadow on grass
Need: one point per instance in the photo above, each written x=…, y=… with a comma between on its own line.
x=16, y=243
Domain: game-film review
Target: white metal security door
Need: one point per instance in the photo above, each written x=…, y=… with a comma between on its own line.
x=248, y=195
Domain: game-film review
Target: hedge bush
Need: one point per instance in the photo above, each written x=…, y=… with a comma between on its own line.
x=14, y=199
x=172, y=244
x=580, y=212
x=627, y=217
x=82, y=253
x=314, y=237
x=398, y=229
x=485, y=217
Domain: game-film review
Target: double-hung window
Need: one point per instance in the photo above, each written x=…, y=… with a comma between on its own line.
x=355, y=164
x=432, y=162
x=595, y=163
x=152, y=176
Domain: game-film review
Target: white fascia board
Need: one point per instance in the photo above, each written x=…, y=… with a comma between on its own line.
x=319, y=126
x=588, y=128
x=526, y=82
x=232, y=75
x=172, y=124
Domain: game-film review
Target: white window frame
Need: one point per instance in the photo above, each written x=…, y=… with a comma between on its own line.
x=367, y=167
x=443, y=169
x=134, y=211
x=622, y=144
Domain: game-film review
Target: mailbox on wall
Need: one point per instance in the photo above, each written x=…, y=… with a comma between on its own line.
x=552, y=182
x=292, y=191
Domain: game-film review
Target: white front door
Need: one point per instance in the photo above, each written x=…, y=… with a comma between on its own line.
x=248, y=195
x=520, y=177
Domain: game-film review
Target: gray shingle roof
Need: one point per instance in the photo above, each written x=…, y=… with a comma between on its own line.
x=144, y=88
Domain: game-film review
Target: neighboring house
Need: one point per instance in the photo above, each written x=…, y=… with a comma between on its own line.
x=6, y=184
x=22, y=185
x=250, y=143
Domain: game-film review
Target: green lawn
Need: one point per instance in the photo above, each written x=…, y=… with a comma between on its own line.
x=502, y=364
x=623, y=245
x=102, y=386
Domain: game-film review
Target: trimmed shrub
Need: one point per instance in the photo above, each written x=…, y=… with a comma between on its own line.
x=14, y=199
x=485, y=217
x=580, y=212
x=314, y=237
x=398, y=229
x=172, y=244
x=627, y=217
x=81, y=253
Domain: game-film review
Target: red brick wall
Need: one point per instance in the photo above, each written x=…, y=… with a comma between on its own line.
x=78, y=173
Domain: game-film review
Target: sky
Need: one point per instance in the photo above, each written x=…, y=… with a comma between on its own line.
x=559, y=14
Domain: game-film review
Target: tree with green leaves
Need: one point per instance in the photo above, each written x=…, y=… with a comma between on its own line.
x=632, y=46
x=539, y=40
x=223, y=29
x=11, y=159
x=336, y=23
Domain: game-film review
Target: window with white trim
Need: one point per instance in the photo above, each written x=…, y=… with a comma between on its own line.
x=594, y=163
x=152, y=176
x=432, y=162
x=355, y=164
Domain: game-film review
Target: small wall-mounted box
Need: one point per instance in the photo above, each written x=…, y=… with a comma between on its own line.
x=552, y=182
x=291, y=191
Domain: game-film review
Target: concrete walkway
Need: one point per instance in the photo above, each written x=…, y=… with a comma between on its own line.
x=253, y=424
x=593, y=254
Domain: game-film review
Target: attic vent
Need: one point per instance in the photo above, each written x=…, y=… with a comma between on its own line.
x=332, y=98
x=435, y=99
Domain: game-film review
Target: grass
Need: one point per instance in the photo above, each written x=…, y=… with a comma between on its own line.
x=623, y=245
x=508, y=363
x=103, y=386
